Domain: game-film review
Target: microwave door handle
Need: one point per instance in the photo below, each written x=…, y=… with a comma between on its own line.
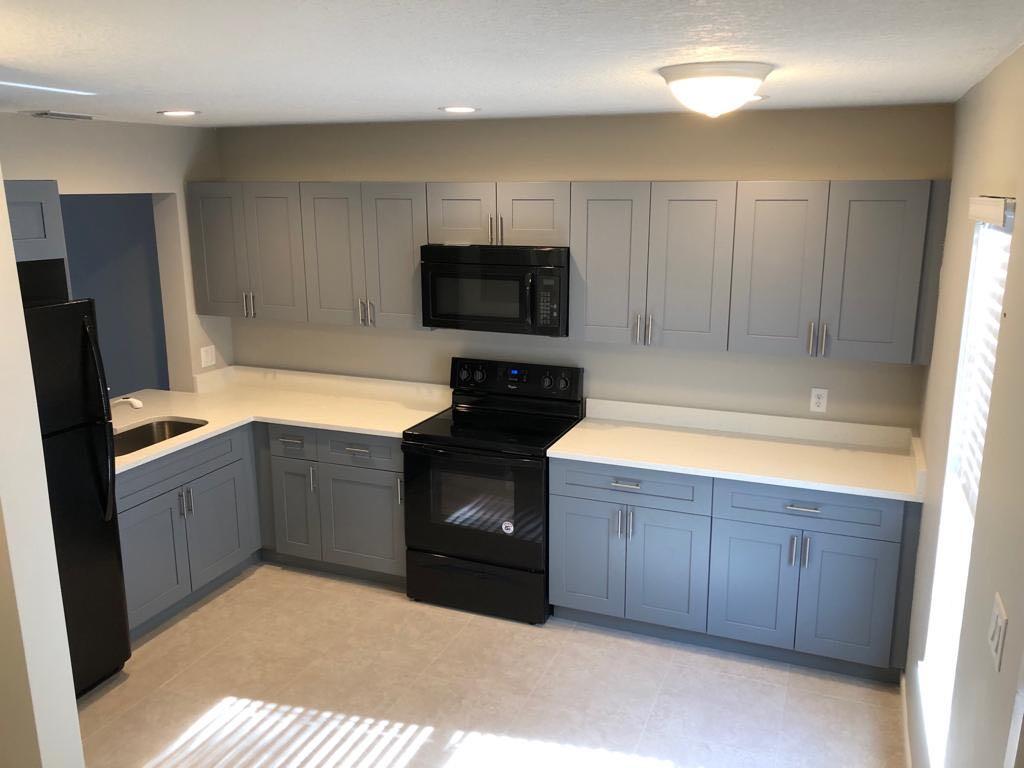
x=529, y=299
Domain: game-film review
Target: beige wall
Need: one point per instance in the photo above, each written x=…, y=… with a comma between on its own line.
x=899, y=143
x=38, y=718
x=110, y=158
x=988, y=160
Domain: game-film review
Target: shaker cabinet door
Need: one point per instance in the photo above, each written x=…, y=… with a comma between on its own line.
x=332, y=244
x=873, y=255
x=273, y=226
x=690, y=264
x=533, y=213
x=296, y=507
x=587, y=555
x=362, y=521
x=461, y=213
x=777, y=265
x=37, y=225
x=394, y=228
x=220, y=262
x=219, y=521
x=608, y=248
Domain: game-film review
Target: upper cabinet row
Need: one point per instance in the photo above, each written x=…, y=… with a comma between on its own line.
x=783, y=268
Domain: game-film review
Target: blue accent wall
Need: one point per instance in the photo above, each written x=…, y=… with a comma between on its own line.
x=111, y=242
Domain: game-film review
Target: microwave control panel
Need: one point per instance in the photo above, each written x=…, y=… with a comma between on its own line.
x=532, y=379
x=547, y=301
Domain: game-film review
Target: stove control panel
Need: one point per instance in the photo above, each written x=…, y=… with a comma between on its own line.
x=527, y=379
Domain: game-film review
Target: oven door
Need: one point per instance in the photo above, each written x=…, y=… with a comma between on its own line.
x=478, y=298
x=483, y=506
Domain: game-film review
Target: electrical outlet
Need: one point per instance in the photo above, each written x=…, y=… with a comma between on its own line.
x=819, y=400
x=208, y=356
x=997, y=631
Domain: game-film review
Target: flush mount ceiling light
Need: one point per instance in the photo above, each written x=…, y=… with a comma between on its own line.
x=459, y=110
x=47, y=88
x=715, y=87
x=178, y=112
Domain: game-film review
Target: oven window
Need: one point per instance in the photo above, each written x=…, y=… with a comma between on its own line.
x=456, y=296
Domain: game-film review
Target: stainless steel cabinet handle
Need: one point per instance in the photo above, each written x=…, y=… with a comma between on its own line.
x=291, y=441
x=798, y=508
x=810, y=339
x=807, y=551
x=312, y=478
x=638, y=323
x=626, y=484
x=822, y=339
x=650, y=323
x=245, y=304
x=629, y=524
x=362, y=311
x=792, y=549
x=190, y=502
x=252, y=304
x=400, y=494
x=181, y=503
x=618, y=525
x=501, y=230
x=360, y=451
x=372, y=317
x=490, y=230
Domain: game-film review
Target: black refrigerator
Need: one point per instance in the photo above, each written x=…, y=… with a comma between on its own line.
x=78, y=446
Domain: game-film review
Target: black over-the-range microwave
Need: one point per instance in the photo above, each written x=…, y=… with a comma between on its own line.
x=504, y=288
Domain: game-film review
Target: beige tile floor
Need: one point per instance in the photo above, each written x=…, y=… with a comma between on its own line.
x=288, y=668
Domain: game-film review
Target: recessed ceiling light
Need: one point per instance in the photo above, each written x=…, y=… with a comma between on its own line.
x=715, y=87
x=459, y=110
x=178, y=112
x=47, y=88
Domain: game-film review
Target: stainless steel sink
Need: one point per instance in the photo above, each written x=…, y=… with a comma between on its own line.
x=151, y=433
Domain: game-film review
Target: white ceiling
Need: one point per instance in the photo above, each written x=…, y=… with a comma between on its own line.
x=288, y=61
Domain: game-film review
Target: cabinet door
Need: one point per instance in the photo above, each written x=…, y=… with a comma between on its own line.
x=667, y=557
x=777, y=262
x=273, y=231
x=755, y=574
x=154, y=553
x=847, y=596
x=296, y=507
x=37, y=226
x=219, y=521
x=533, y=213
x=587, y=555
x=690, y=265
x=608, y=246
x=873, y=255
x=394, y=228
x=332, y=244
x=220, y=263
x=461, y=212
x=362, y=518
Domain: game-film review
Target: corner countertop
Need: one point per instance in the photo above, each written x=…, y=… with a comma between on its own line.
x=236, y=396
x=865, y=460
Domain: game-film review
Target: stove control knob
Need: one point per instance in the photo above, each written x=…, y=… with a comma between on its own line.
x=479, y=375
x=464, y=373
x=546, y=381
x=563, y=383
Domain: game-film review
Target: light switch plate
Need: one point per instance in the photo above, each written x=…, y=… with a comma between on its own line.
x=997, y=631
x=208, y=356
x=819, y=400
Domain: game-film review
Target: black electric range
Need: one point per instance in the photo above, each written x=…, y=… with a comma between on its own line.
x=476, y=481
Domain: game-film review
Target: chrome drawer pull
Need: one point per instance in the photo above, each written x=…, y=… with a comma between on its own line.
x=625, y=484
x=290, y=441
x=360, y=451
x=798, y=508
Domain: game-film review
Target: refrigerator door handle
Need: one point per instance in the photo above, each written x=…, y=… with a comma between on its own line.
x=108, y=430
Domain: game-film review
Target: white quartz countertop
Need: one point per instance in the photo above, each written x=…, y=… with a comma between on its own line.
x=234, y=397
x=881, y=462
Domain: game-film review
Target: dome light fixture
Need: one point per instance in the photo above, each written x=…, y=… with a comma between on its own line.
x=715, y=87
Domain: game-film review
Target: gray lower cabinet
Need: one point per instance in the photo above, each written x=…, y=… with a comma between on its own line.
x=847, y=597
x=220, y=263
x=755, y=577
x=154, y=554
x=37, y=226
x=296, y=507
x=362, y=518
x=587, y=555
x=273, y=229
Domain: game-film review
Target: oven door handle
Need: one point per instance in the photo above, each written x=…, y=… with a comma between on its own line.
x=482, y=458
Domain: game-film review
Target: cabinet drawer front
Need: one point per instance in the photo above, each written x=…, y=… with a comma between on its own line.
x=624, y=485
x=292, y=442
x=168, y=472
x=838, y=513
x=360, y=450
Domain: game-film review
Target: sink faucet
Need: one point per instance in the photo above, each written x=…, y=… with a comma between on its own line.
x=134, y=402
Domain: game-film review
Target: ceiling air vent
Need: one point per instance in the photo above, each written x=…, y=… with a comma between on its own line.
x=60, y=115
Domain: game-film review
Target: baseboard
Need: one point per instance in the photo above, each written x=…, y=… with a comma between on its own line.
x=908, y=758
x=318, y=566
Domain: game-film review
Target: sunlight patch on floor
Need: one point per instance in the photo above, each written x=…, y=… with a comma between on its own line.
x=472, y=750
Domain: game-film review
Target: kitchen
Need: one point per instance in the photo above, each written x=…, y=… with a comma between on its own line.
x=318, y=326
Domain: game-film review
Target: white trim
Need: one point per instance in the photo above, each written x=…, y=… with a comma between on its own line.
x=992, y=210
x=908, y=757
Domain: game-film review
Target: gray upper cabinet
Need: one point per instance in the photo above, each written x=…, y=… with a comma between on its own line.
x=777, y=266
x=220, y=264
x=273, y=227
x=667, y=568
x=608, y=247
x=533, y=213
x=362, y=519
x=220, y=523
x=37, y=226
x=154, y=553
x=332, y=243
x=587, y=561
x=690, y=264
x=461, y=212
x=394, y=228
x=847, y=597
x=755, y=575
x=296, y=507
x=873, y=254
